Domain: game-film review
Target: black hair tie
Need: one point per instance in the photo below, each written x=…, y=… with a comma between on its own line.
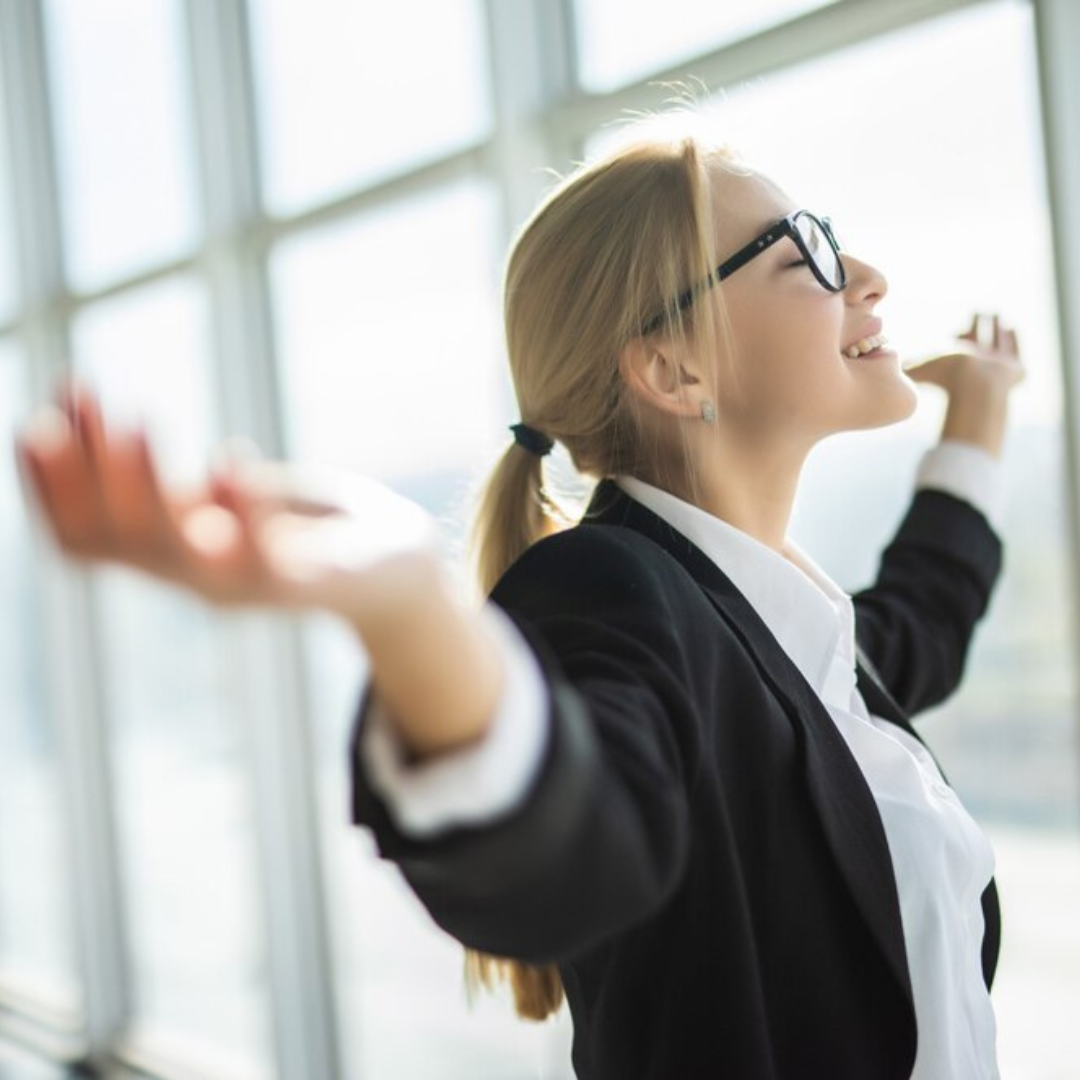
x=536, y=442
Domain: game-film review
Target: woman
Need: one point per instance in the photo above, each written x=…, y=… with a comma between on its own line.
x=670, y=768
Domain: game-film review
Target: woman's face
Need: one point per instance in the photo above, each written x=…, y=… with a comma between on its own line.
x=790, y=377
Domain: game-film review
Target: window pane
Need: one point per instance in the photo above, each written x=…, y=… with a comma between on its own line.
x=123, y=136
x=938, y=182
x=36, y=949
x=349, y=92
x=182, y=797
x=620, y=41
x=388, y=337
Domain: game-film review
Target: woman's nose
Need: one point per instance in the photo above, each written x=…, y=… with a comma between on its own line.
x=864, y=282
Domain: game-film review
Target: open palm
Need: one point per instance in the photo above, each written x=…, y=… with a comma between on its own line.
x=254, y=533
x=995, y=361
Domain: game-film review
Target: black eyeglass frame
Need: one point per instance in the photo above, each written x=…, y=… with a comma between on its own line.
x=786, y=226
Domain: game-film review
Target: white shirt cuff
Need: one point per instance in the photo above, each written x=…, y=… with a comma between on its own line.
x=478, y=782
x=968, y=472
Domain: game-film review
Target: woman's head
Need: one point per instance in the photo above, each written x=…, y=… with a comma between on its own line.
x=613, y=246
x=782, y=378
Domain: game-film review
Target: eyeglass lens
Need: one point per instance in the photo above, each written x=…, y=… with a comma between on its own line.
x=821, y=250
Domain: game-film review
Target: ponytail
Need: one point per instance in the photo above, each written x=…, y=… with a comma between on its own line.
x=514, y=512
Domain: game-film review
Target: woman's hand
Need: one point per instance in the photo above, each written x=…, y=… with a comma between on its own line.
x=265, y=534
x=256, y=533
x=977, y=378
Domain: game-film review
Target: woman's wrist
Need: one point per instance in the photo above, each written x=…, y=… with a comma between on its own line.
x=434, y=663
x=977, y=413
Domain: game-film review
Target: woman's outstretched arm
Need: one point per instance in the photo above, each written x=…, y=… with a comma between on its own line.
x=260, y=536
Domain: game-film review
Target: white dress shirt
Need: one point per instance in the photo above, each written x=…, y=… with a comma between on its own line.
x=941, y=859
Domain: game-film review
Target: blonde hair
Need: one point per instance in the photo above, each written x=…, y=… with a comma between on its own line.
x=605, y=253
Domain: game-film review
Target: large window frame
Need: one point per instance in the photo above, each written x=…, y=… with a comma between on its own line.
x=542, y=117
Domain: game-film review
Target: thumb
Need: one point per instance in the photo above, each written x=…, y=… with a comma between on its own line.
x=926, y=371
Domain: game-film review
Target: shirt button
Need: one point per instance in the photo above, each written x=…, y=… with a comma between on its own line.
x=941, y=788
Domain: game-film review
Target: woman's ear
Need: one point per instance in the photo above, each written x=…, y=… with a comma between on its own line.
x=658, y=378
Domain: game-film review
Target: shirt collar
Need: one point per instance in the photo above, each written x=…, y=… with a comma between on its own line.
x=810, y=616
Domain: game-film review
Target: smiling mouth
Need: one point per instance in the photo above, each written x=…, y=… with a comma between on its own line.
x=864, y=346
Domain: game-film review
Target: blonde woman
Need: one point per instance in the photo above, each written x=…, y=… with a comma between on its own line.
x=669, y=769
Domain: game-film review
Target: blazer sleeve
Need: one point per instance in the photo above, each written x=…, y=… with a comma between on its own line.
x=934, y=583
x=599, y=839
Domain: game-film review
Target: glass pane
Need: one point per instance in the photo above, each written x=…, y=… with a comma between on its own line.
x=388, y=334
x=182, y=798
x=123, y=134
x=620, y=41
x=350, y=92
x=8, y=284
x=911, y=172
x=36, y=947
x=388, y=331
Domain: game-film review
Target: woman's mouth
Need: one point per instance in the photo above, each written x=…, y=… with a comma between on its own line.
x=867, y=346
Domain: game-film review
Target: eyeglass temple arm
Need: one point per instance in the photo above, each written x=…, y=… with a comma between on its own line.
x=755, y=247
x=725, y=269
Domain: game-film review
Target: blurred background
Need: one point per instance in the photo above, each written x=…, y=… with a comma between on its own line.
x=288, y=220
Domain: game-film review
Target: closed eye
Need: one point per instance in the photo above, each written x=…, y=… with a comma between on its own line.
x=801, y=262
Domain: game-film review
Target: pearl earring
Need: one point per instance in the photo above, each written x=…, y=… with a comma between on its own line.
x=708, y=412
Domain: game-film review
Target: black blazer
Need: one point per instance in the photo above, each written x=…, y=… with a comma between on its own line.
x=699, y=851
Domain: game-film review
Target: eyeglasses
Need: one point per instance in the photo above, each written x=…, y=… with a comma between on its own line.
x=813, y=237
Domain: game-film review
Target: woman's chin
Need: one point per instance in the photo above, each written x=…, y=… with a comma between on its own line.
x=890, y=403
x=906, y=402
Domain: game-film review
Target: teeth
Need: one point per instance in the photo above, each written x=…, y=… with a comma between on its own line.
x=865, y=345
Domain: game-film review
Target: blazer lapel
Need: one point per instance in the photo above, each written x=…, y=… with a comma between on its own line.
x=877, y=696
x=836, y=786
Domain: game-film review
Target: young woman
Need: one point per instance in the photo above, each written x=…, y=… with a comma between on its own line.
x=669, y=768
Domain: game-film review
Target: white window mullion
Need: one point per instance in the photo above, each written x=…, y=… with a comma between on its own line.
x=531, y=48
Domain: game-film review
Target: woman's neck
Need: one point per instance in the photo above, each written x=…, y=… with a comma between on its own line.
x=748, y=489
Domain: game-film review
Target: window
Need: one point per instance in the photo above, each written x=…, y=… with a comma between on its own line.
x=122, y=128
x=339, y=108
x=621, y=41
x=347, y=315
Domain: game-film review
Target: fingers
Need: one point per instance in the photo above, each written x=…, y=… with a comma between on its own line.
x=997, y=337
x=42, y=438
x=100, y=491
x=65, y=487
x=247, y=546
x=239, y=560
x=143, y=519
x=136, y=519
